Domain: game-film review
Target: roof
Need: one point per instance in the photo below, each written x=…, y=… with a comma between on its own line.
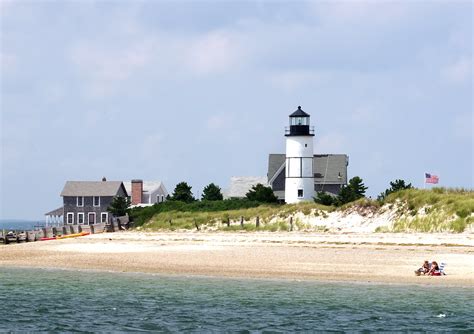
x=275, y=161
x=328, y=168
x=240, y=185
x=148, y=186
x=299, y=113
x=55, y=212
x=91, y=188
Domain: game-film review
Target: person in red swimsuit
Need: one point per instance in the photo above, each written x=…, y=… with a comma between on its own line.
x=434, y=270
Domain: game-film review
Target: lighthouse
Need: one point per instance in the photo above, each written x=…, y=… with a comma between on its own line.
x=299, y=176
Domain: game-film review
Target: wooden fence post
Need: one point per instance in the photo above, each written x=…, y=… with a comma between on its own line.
x=242, y=221
x=228, y=222
x=291, y=224
x=257, y=222
x=196, y=224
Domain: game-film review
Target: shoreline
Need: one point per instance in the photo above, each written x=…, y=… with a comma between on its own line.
x=332, y=258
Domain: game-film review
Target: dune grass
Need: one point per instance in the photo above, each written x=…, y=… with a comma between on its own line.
x=271, y=218
x=435, y=210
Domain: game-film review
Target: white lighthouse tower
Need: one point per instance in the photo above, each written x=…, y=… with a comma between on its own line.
x=299, y=177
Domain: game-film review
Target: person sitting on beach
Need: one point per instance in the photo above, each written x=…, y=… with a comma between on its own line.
x=434, y=270
x=425, y=268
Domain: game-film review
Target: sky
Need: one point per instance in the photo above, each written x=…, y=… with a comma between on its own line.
x=200, y=91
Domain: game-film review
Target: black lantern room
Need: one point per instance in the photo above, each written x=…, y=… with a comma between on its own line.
x=299, y=124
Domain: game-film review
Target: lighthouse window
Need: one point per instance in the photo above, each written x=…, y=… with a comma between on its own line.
x=300, y=193
x=299, y=121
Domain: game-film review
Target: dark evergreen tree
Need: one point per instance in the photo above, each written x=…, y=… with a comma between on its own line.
x=395, y=186
x=119, y=206
x=260, y=193
x=353, y=191
x=212, y=192
x=324, y=198
x=182, y=192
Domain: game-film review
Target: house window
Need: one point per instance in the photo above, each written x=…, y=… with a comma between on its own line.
x=96, y=200
x=70, y=218
x=80, y=218
x=103, y=217
x=80, y=201
x=300, y=193
x=91, y=218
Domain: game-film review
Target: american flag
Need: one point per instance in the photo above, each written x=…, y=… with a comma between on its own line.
x=430, y=178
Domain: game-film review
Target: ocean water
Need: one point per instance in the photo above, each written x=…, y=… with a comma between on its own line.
x=8, y=224
x=57, y=300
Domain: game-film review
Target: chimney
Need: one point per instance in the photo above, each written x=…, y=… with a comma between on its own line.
x=137, y=191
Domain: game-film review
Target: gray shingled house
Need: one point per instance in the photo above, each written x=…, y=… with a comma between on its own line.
x=330, y=173
x=86, y=202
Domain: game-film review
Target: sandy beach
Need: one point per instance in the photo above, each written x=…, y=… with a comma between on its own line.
x=358, y=257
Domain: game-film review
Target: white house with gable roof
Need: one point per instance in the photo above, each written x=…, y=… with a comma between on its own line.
x=144, y=193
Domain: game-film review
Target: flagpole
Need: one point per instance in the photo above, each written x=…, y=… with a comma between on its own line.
x=424, y=181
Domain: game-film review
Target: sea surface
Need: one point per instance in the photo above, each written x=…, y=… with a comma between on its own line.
x=17, y=224
x=60, y=300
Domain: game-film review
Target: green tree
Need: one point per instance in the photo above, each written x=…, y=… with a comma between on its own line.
x=212, y=192
x=260, y=193
x=353, y=191
x=395, y=186
x=119, y=206
x=182, y=192
x=324, y=198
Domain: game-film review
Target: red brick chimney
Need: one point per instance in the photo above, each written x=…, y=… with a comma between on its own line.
x=137, y=191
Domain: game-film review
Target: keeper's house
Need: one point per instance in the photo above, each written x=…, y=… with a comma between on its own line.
x=86, y=202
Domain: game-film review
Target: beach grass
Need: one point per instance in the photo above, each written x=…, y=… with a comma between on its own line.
x=271, y=218
x=435, y=210
x=416, y=210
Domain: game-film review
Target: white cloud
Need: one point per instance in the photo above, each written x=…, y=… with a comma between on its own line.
x=106, y=67
x=151, y=147
x=292, y=80
x=218, y=122
x=330, y=143
x=8, y=62
x=459, y=71
x=4, y=5
x=112, y=63
x=358, y=12
x=214, y=52
x=463, y=125
x=365, y=114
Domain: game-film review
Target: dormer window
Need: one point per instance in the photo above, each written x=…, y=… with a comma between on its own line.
x=96, y=200
x=80, y=201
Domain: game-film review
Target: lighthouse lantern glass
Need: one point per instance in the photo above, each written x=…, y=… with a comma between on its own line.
x=299, y=121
